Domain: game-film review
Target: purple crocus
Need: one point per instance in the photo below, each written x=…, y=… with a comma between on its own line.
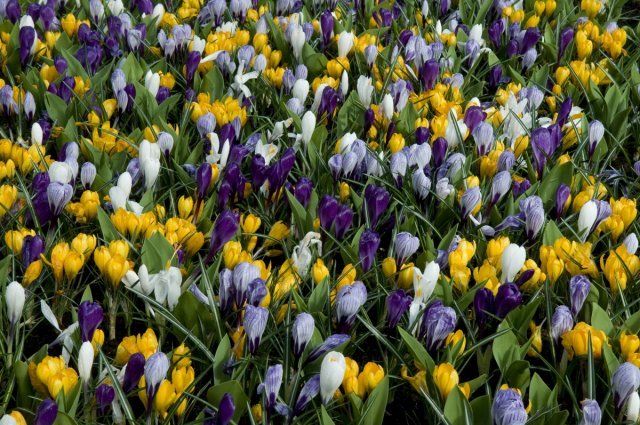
x=32, y=248
x=224, y=228
x=342, y=221
x=495, y=31
x=105, y=394
x=542, y=148
x=561, y=321
x=90, y=316
x=566, y=36
x=508, y=408
x=507, y=298
x=484, y=305
x=27, y=38
x=224, y=414
x=376, y=201
x=438, y=321
x=255, y=322
x=46, y=412
x=398, y=303
x=474, y=116
x=368, y=245
x=429, y=73
x=133, y=371
x=193, y=60
x=327, y=210
x=562, y=195
x=302, y=191
x=439, y=150
x=579, y=287
x=326, y=25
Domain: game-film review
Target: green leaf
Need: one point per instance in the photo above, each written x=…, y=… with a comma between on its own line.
x=56, y=108
x=23, y=384
x=457, y=409
x=600, y=319
x=194, y=316
x=240, y=399
x=417, y=350
x=632, y=324
x=481, y=407
x=518, y=375
x=325, y=419
x=223, y=353
x=351, y=115
x=109, y=232
x=561, y=173
x=156, y=252
x=373, y=410
x=551, y=233
x=319, y=297
x=539, y=394
x=505, y=350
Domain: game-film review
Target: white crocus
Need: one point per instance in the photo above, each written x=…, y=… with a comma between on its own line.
x=331, y=374
x=14, y=296
x=365, y=90
x=116, y=7
x=456, y=130
x=218, y=154
x=345, y=43
x=633, y=408
x=85, y=361
x=415, y=309
x=240, y=80
x=387, y=106
x=300, y=90
x=424, y=282
x=267, y=150
x=308, y=126
x=197, y=44
x=152, y=82
x=167, y=286
x=587, y=217
x=297, y=41
x=513, y=258
x=7, y=420
x=344, y=83
x=158, y=13
x=119, y=194
x=302, y=255
x=60, y=172
x=36, y=134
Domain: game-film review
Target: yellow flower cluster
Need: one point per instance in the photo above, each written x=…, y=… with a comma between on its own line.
x=576, y=341
x=66, y=260
x=459, y=259
x=112, y=261
x=52, y=375
x=623, y=212
x=86, y=209
x=18, y=158
x=361, y=383
x=225, y=110
x=619, y=266
x=145, y=344
x=572, y=256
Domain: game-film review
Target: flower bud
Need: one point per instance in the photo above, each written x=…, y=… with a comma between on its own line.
x=85, y=361
x=331, y=374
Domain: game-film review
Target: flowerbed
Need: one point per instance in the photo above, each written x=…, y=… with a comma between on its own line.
x=319, y=212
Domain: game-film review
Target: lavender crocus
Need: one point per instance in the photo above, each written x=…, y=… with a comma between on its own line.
x=368, y=245
x=579, y=287
x=348, y=301
x=302, y=331
x=397, y=303
x=499, y=186
x=58, y=196
x=255, y=322
x=561, y=321
x=624, y=382
x=508, y=408
x=596, y=133
x=438, y=321
x=405, y=245
x=310, y=389
x=46, y=412
x=542, y=148
x=155, y=370
x=329, y=344
x=90, y=316
x=271, y=386
x=470, y=200
x=591, y=412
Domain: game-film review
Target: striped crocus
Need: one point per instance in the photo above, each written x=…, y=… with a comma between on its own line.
x=302, y=331
x=255, y=322
x=155, y=371
x=591, y=412
x=579, y=287
x=561, y=321
x=624, y=382
x=438, y=321
x=348, y=301
x=310, y=389
x=508, y=408
x=404, y=246
x=331, y=343
x=271, y=386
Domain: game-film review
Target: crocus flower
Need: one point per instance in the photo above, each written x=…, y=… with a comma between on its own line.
x=224, y=414
x=14, y=295
x=508, y=408
x=561, y=321
x=271, y=386
x=255, y=322
x=46, y=412
x=500, y=186
x=133, y=372
x=224, y=228
x=562, y=195
x=331, y=374
x=591, y=413
x=310, y=389
x=542, y=148
x=405, y=245
x=368, y=245
x=302, y=331
x=513, y=258
x=596, y=133
x=85, y=361
x=155, y=370
x=470, y=199
x=105, y=394
x=32, y=248
x=376, y=201
x=438, y=321
x=624, y=382
x=566, y=36
x=397, y=303
x=348, y=301
x=331, y=343
x=90, y=316
x=579, y=287
x=507, y=298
